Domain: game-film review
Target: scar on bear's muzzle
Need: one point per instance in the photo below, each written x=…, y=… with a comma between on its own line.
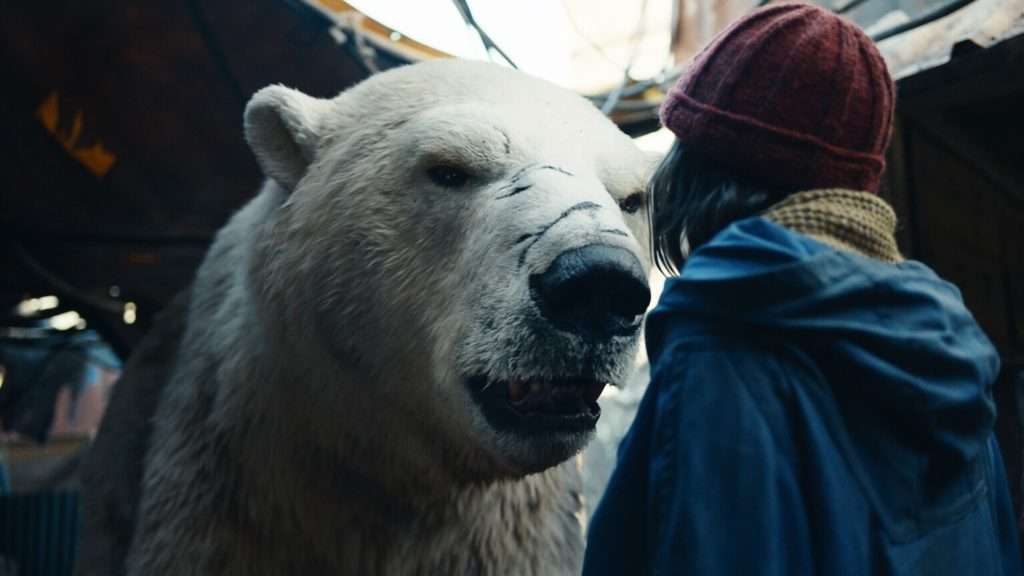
x=597, y=291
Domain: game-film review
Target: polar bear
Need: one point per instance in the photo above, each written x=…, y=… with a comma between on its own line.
x=392, y=353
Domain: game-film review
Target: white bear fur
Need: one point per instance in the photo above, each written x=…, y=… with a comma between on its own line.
x=318, y=420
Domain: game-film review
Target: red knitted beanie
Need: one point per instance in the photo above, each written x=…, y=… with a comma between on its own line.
x=789, y=96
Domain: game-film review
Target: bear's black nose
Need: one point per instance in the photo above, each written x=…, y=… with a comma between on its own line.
x=596, y=291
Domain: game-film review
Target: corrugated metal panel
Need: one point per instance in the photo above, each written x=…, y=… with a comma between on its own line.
x=39, y=533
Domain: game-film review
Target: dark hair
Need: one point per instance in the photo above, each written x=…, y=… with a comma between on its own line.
x=692, y=194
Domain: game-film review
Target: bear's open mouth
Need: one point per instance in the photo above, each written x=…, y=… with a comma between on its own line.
x=539, y=405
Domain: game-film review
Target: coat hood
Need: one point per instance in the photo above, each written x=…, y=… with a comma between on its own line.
x=909, y=367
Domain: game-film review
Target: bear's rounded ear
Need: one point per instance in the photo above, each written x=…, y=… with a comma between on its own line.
x=283, y=128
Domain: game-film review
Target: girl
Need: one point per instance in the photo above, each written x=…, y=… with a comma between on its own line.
x=818, y=405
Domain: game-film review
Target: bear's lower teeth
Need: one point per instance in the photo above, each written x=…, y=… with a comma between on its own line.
x=516, y=391
x=529, y=394
x=519, y=390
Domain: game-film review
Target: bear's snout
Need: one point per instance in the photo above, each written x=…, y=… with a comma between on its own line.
x=596, y=292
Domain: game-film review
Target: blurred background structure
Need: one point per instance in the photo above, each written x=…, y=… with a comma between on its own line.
x=124, y=154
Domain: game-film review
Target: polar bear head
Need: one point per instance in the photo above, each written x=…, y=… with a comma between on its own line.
x=466, y=244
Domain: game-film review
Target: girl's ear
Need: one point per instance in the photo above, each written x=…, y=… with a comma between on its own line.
x=283, y=128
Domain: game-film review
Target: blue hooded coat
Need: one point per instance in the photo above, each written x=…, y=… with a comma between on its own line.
x=810, y=412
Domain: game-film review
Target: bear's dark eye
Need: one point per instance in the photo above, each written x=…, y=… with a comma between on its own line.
x=630, y=204
x=447, y=176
